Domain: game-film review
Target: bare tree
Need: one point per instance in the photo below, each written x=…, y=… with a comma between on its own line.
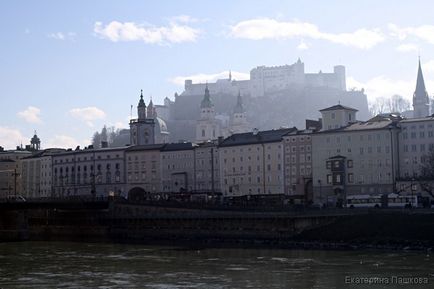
x=396, y=103
x=399, y=104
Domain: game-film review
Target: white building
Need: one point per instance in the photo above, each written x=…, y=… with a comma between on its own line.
x=143, y=167
x=207, y=168
x=266, y=79
x=177, y=167
x=298, y=165
x=359, y=158
x=36, y=174
x=416, y=140
x=253, y=163
x=92, y=172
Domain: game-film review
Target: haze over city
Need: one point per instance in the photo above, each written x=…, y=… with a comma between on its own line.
x=67, y=69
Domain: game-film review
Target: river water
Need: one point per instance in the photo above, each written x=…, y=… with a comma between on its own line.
x=93, y=265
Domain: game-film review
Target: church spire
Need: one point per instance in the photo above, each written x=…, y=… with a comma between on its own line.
x=141, y=107
x=420, y=96
x=206, y=101
x=239, y=106
x=141, y=101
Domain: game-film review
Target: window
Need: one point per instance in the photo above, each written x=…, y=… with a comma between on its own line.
x=329, y=179
x=328, y=164
x=413, y=148
x=350, y=163
x=350, y=178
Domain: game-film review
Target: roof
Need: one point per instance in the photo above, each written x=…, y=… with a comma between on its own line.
x=362, y=126
x=46, y=152
x=338, y=107
x=85, y=151
x=419, y=119
x=253, y=138
x=178, y=146
x=145, y=147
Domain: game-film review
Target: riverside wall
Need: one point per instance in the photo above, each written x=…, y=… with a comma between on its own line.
x=179, y=226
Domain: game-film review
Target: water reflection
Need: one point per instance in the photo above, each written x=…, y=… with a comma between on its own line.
x=83, y=265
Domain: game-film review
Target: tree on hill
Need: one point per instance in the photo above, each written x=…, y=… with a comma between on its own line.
x=107, y=134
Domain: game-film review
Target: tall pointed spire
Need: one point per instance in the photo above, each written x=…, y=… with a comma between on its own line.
x=141, y=107
x=141, y=101
x=420, y=96
x=239, y=106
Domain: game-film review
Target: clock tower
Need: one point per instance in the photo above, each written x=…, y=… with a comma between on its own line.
x=142, y=129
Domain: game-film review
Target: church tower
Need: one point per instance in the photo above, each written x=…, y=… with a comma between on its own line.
x=35, y=143
x=151, y=111
x=239, y=120
x=420, y=96
x=142, y=129
x=207, y=127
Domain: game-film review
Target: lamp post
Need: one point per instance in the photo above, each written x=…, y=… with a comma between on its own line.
x=320, y=193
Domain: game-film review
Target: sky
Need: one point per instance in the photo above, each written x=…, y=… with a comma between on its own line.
x=69, y=67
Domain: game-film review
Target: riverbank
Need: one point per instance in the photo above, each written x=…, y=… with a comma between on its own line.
x=323, y=230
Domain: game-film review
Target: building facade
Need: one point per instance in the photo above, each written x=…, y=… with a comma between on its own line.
x=89, y=172
x=207, y=168
x=252, y=163
x=177, y=167
x=143, y=166
x=416, y=140
x=36, y=174
x=298, y=165
x=360, y=158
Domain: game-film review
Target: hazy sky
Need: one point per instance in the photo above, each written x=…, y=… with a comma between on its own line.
x=69, y=67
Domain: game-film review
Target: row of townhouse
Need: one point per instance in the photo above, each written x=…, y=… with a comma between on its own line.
x=344, y=157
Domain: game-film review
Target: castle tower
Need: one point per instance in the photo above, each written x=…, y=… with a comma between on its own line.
x=239, y=120
x=420, y=96
x=207, y=127
x=142, y=129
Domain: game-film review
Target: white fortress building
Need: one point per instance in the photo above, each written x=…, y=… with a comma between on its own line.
x=264, y=79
